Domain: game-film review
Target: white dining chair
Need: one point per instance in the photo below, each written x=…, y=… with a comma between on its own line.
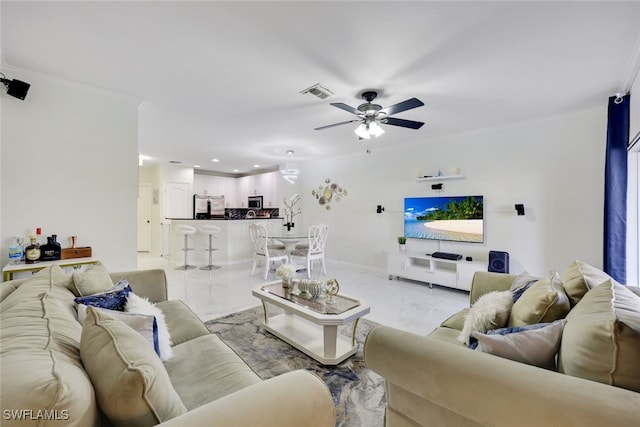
x=316, y=239
x=261, y=251
x=272, y=244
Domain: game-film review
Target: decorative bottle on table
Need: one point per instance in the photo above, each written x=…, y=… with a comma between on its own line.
x=51, y=250
x=32, y=252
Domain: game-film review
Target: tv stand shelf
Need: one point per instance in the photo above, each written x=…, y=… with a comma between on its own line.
x=425, y=268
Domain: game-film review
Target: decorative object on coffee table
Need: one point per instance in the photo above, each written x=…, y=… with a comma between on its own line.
x=331, y=288
x=286, y=272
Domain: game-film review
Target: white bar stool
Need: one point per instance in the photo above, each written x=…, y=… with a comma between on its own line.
x=212, y=231
x=187, y=231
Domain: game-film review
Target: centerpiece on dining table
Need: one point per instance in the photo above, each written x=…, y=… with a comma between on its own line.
x=290, y=211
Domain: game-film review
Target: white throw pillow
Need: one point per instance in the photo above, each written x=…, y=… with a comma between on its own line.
x=490, y=311
x=139, y=305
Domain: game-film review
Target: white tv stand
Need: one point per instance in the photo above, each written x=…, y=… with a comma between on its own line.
x=425, y=268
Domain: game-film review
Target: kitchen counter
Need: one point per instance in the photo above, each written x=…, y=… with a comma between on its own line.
x=233, y=242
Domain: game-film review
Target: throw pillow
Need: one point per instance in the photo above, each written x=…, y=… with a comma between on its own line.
x=114, y=298
x=147, y=326
x=490, y=311
x=140, y=305
x=535, y=346
x=521, y=284
x=545, y=301
x=578, y=278
x=93, y=280
x=131, y=384
x=601, y=341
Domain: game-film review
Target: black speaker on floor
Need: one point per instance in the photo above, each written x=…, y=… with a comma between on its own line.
x=499, y=262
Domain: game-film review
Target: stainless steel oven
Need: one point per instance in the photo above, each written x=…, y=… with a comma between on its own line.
x=254, y=202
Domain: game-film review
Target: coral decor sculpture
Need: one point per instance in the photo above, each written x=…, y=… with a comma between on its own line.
x=331, y=191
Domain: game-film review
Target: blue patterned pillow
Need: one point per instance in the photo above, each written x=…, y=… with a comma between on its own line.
x=473, y=342
x=114, y=298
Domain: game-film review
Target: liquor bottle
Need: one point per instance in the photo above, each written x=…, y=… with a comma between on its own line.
x=58, y=250
x=50, y=251
x=32, y=252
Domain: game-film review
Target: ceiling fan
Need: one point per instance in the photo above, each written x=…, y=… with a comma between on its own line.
x=370, y=115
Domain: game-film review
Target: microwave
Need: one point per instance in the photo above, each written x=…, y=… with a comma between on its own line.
x=255, y=202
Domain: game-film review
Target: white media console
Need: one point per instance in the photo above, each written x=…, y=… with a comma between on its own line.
x=425, y=268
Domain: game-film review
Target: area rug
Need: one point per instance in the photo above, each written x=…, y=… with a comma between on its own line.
x=358, y=393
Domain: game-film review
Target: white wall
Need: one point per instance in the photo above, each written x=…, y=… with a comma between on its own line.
x=70, y=166
x=553, y=166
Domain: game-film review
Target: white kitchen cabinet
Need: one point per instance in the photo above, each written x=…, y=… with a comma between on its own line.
x=200, y=183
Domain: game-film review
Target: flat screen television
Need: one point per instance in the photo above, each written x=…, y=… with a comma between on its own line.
x=451, y=218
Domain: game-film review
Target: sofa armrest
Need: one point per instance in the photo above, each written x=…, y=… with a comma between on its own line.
x=484, y=282
x=147, y=283
x=294, y=399
x=489, y=390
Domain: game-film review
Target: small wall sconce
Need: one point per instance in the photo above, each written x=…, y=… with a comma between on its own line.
x=519, y=209
x=380, y=209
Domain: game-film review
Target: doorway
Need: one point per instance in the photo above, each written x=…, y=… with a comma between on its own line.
x=144, y=217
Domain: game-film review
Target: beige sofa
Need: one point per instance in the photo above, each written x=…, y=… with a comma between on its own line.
x=48, y=380
x=436, y=380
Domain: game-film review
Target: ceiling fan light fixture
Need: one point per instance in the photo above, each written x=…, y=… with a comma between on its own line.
x=362, y=131
x=375, y=130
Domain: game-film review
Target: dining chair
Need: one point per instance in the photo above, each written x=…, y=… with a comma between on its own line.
x=261, y=251
x=271, y=244
x=316, y=239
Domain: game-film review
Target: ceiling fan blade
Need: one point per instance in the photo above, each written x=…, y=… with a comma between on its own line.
x=336, y=124
x=346, y=107
x=403, y=123
x=402, y=106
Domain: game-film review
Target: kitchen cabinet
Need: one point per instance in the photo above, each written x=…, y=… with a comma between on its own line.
x=237, y=190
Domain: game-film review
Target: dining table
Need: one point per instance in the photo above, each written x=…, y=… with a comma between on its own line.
x=290, y=239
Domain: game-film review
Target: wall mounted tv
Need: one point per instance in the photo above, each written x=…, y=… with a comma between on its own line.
x=453, y=218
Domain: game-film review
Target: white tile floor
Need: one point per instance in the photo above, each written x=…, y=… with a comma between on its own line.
x=407, y=305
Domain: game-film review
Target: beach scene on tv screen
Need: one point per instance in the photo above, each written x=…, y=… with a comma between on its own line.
x=444, y=218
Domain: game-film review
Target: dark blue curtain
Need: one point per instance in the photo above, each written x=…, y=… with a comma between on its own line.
x=615, y=189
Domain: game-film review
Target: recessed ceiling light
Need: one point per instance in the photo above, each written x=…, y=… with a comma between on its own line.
x=215, y=160
x=196, y=166
x=236, y=170
x=290, y=152
x=256, y=166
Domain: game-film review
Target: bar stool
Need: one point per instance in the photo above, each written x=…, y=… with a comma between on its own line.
x=212, y=231
x=187, y=231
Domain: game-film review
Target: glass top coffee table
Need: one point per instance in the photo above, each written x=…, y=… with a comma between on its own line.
x=311, y=324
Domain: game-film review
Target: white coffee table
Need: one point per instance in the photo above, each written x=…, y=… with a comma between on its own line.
x=311, y=325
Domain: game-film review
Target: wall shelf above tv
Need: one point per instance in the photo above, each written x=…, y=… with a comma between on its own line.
x=440, y=178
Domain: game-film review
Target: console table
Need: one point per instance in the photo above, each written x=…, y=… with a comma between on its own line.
x=425, y=268
x=9, y=269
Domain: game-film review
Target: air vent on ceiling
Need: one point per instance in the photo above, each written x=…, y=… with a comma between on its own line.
x=317, y=91
x=176, y=162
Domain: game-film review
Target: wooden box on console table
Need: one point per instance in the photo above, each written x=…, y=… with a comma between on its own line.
x=70, y=253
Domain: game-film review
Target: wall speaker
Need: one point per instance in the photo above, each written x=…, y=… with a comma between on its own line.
x=17, y=88
x=499, y=262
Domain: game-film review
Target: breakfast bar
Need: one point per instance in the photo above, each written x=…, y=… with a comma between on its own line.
x=233, y=242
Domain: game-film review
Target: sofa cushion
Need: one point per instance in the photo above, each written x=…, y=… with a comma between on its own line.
x=456, y=321
x=601, y=340
x=490, y=311
x=578, y=278
x=147, y=326
x=205, y=369
x=39, y=346
x=521, y=283
x=93, y=280
x=113, y=298
x=183, y=324
x=544, y=302
x=535, y=346
x=132, y=386
x=140, y=305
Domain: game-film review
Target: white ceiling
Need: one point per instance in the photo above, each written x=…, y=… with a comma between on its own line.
x=222, y=79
